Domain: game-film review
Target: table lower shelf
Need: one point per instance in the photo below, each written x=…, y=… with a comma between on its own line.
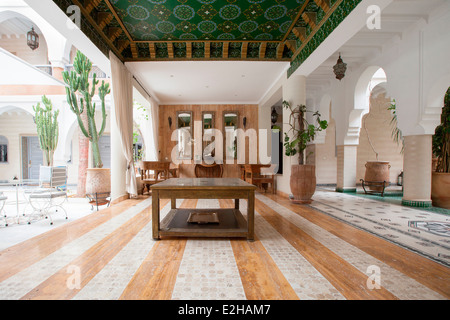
x=231, y=224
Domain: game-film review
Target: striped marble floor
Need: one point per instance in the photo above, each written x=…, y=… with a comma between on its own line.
x=298, y=253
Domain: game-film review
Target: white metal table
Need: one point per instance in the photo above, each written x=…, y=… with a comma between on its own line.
x=17, y=185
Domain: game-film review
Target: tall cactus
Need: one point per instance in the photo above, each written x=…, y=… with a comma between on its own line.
x=78, y=82
x=47, y=128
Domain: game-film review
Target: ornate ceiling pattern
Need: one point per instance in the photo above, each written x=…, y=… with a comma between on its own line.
x=155, y=30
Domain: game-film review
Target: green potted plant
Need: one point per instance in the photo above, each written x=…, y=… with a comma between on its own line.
x=47, y=129
x=440, y=184
x=80, y=96
x=303, y=176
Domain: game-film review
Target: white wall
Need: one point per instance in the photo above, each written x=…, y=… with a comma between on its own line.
x=13, y=125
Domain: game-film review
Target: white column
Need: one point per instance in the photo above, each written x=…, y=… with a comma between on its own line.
x=346, y=168
x=294, y=91
x=417, y=171
x=118, y=161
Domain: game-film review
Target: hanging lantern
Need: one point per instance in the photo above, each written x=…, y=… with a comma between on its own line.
x=274, y=116
x=33, y=39
x=340, y=68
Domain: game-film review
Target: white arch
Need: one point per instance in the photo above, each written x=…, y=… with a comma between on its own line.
x=363, y=88
x=9, y=108
x=431, y=116
x=56, y=43
x=324, y=107
x=324, y=110
x=67, y=139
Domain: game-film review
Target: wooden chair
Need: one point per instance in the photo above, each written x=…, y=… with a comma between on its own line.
x=153, y=172
x=209, y=170
x=253, y=175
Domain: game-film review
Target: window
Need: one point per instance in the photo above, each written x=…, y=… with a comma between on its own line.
x=3, y=149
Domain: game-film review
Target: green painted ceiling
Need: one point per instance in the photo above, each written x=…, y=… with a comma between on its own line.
x=208, y=19
x=152, y=30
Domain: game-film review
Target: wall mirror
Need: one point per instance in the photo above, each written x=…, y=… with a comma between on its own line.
x=230, y=124
x=184, y=126
x=208, y=123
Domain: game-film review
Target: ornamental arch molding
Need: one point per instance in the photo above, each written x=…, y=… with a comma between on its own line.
x=370, y=78
x=431, y=115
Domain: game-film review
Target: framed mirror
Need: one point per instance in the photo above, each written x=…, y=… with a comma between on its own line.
x=208, y=123
x=184, y=126
x=230, y=124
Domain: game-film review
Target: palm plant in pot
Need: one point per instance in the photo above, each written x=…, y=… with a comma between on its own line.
x=440, y=184
x=301, y=132
x=80, y=96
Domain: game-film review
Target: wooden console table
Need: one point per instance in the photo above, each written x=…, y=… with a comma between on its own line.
x=231, y=221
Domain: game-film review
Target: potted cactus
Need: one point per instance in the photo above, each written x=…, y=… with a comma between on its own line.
x=47, y=129
x=80, y=96
x=303, y=176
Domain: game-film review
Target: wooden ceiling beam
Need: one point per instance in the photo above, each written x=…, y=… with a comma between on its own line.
x=122, y=44
x=188, y=50
x=151, y=48
x=225, y=47
x=324, y=4
x=134, y=50
x=244, y=50
x=113, y=33
x=94, y=24
x=262, y=50
x=103, y=18
x=297, y=17
x=207, y=50
x=310, y=18
x=116, y=16
x=170, y=50
x=90, y=5
x=300, y=32
x=280, y=50
x=291, y=44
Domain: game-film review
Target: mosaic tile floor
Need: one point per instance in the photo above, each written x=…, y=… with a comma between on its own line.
x=422, y=231
x=111, y=255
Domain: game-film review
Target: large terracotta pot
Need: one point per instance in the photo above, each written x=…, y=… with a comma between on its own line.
x=377, y=171
x=440, y=189
x=303, y=183
x=98, y=180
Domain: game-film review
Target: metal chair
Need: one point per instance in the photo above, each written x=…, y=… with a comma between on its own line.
x=3, y=199
x=51, y=193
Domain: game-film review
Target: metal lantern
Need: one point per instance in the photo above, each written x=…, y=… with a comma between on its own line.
x=340, y=68
x=33, y=39
x=274, y=116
